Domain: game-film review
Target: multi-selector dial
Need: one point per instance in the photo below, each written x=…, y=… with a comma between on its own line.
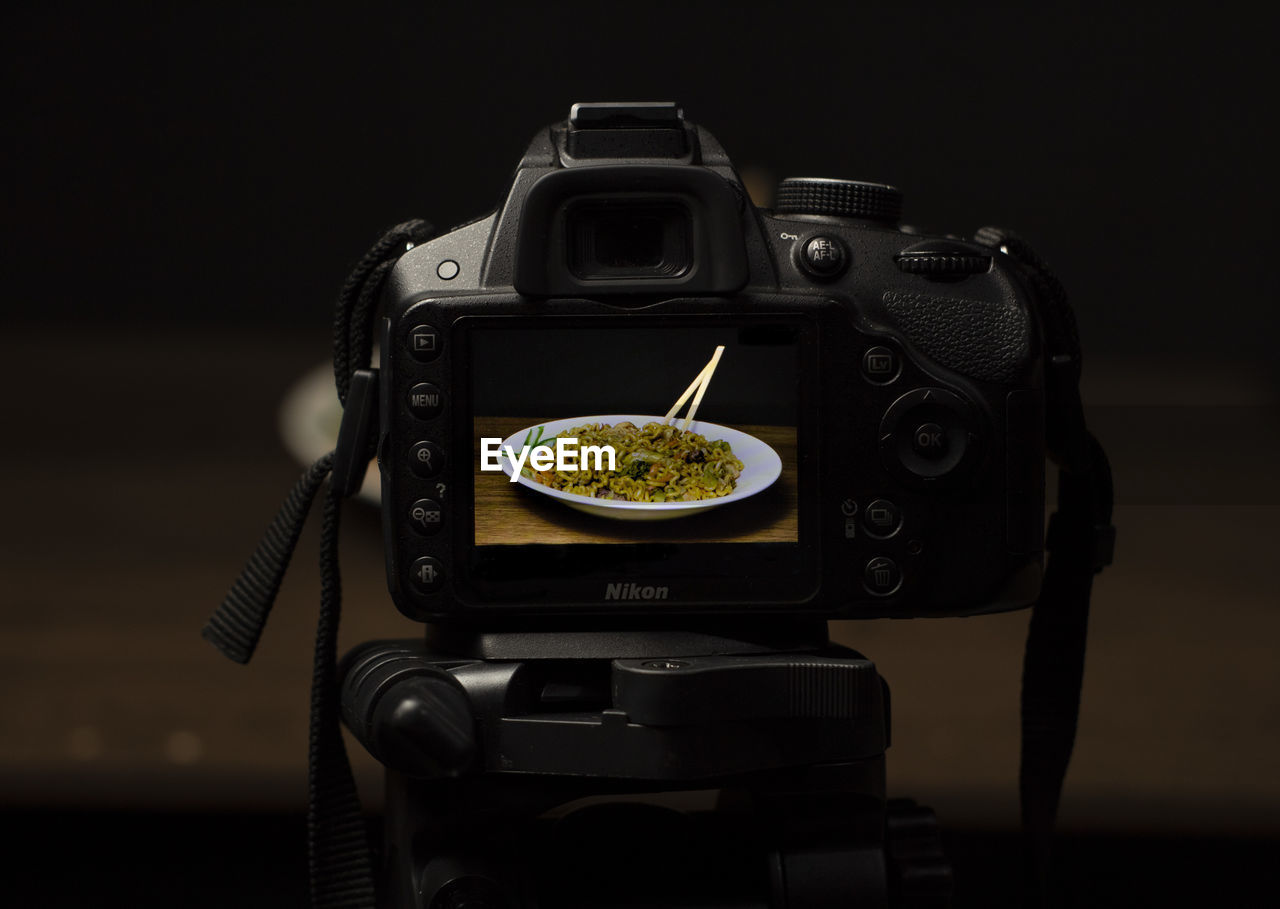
x=838, y=199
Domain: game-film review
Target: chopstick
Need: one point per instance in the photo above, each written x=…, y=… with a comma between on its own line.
x=700, y=386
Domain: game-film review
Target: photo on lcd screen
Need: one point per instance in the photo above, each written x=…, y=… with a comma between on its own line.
x=571, y=444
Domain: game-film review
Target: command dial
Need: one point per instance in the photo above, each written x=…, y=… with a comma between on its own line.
x=838, y=198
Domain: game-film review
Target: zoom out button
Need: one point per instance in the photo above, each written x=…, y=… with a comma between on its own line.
x=426, y=516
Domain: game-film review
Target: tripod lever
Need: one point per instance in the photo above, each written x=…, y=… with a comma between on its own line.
x=411, y=715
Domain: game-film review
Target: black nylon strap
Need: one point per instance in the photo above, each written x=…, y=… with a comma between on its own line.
x=1053, y=667
x=352, y=328
x=1065, y=433
x=340, y=865
x=1080, y=543
x=340, y=861
x=237, y=624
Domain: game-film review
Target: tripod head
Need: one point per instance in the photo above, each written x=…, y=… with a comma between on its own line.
x=483, y=751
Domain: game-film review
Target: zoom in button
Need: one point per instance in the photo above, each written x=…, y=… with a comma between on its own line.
x=426, y=459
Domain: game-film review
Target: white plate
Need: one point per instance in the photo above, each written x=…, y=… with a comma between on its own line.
x=761, y=466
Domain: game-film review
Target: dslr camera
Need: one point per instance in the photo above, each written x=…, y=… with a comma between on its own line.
x=626, y=600
x=890, y=381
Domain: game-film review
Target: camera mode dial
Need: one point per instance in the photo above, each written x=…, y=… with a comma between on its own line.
x=838, y=198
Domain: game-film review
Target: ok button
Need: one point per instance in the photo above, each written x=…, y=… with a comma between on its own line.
x=929, y=441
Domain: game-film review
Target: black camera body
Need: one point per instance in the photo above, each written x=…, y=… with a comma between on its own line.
x=896, y=376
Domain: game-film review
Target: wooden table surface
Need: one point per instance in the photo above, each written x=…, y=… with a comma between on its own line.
x=141, y=469
x=508, y=512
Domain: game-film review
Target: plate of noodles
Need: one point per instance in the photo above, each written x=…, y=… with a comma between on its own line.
x=659, y=470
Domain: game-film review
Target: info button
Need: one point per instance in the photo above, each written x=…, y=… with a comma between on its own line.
x=427, y=574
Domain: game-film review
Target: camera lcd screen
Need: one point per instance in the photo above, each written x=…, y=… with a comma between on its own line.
x=570, y=445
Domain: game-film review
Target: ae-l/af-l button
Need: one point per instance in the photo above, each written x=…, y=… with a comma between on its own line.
x=824, y=257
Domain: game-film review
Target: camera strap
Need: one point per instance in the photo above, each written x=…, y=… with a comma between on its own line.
x=339, y=859
x=1080, y=542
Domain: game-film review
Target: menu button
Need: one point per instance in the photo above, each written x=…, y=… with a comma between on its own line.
x=425, y=401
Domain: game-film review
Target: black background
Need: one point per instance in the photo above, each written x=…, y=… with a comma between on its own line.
x=223, y=167
x=580, y=372
x=212, y=164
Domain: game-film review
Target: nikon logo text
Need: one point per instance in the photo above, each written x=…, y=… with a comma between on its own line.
x=631, y=591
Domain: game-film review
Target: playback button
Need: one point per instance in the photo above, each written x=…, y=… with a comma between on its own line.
x=425, y=343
